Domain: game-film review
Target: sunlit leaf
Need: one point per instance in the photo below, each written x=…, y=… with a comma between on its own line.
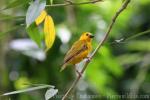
x=50, y=93
x=34, y=11
x=103, y=77
x=49, y=30
x=110, y=63
x=19, y=83
x=41, y=17
x=34, y=34
x=51, y=1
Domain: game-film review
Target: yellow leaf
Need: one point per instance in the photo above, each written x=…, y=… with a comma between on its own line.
x=49, y=30
x=41, y=17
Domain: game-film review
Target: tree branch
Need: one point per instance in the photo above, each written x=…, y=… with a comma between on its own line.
x=124, y=5
x=69, y=3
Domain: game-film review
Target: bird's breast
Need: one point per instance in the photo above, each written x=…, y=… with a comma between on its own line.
x=82, y=55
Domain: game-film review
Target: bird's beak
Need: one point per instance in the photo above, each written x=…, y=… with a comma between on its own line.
x=91, y=36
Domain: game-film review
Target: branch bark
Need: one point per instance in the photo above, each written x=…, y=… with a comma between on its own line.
x=70, y=3
x=123, y=7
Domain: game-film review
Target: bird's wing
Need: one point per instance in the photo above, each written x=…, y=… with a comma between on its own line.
x=75, y=50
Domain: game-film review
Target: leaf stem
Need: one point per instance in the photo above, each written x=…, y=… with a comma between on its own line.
x=70, y=3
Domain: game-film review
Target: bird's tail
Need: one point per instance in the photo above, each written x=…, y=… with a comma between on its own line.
x=63, y=67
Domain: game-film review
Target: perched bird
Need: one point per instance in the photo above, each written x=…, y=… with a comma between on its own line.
x=79, y=50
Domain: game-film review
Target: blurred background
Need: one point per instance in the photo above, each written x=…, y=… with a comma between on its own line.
x=120, y=67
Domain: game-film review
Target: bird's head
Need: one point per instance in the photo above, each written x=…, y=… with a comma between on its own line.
x=86, y=36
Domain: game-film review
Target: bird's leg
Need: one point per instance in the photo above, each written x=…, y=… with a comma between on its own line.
x=88, y=59
x=79, y=73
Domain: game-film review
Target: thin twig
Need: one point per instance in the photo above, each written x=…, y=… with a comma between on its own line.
x=137, y=35
x=69, y=3
x=125, y=4
x=127, y=39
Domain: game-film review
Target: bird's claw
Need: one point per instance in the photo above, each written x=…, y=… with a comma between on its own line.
x=88, y=59
x=79, y=73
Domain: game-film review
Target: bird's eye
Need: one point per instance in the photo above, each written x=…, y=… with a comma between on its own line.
x=87, y=34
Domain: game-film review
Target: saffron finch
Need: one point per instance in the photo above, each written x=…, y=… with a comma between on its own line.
x=79, y=50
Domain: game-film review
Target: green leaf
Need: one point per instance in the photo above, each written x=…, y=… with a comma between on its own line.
x=34, y=34
x=34, y=11
x=51, y=1
x=50, y=93
x=28, y=90
x=110, y=63
x=16, y=3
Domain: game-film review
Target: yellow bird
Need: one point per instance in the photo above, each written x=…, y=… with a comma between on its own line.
x=79, y=50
